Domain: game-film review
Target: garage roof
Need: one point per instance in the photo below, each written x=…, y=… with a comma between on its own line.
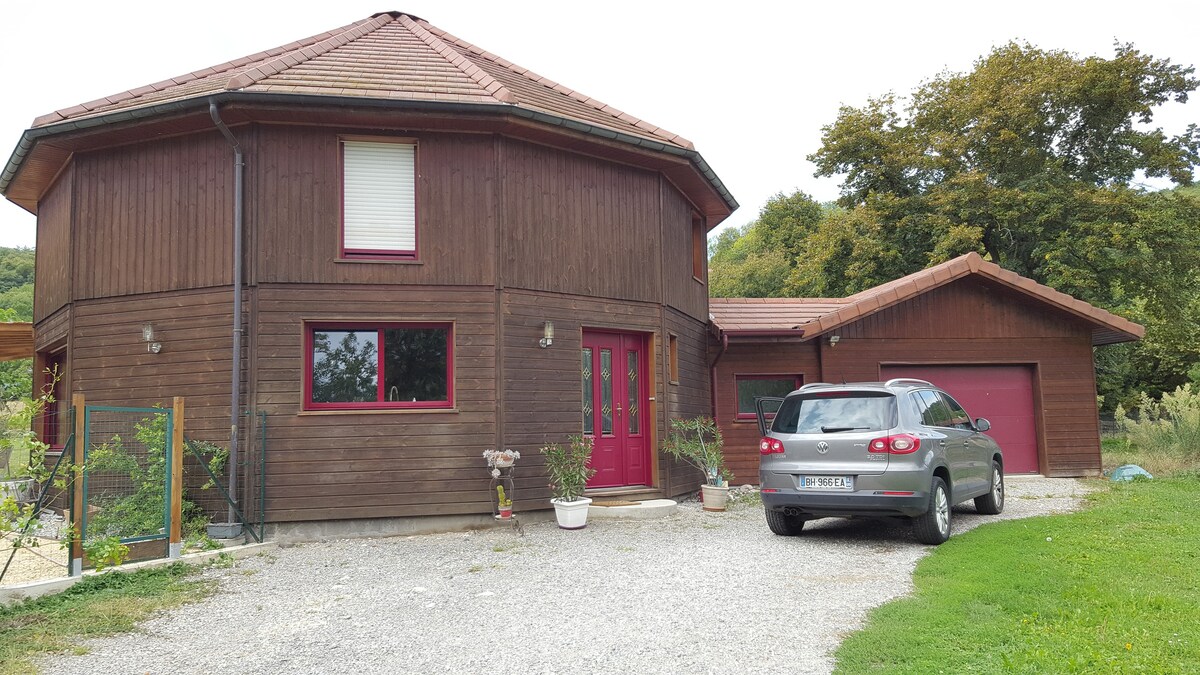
x=810, y=317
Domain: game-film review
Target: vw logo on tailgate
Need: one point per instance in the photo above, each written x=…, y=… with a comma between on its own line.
x=822, y=447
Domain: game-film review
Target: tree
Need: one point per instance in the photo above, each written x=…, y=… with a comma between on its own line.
x=16, y=303
x=1027, y=160
x=756, y=260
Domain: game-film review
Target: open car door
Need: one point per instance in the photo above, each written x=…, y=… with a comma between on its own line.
x=766, y=407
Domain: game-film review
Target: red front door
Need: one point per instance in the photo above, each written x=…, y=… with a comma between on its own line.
x=614, y=408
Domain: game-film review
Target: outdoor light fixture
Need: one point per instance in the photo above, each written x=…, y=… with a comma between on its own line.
x=834, y=339
x=547, y=334
x=152, y=346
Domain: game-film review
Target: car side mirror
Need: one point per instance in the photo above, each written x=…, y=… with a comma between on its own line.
x=982, y=424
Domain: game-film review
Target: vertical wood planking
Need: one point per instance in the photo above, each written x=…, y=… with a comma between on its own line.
x=52, y=269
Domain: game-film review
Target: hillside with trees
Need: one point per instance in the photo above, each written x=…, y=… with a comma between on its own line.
x=1031, y=160
x=16, y=304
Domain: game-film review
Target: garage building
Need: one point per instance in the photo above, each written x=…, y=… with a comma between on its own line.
x=1008, y=348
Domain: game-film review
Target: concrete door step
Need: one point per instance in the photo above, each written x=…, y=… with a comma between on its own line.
x=646, y=510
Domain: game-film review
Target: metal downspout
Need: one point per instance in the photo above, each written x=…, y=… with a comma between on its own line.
x=712, y=368
x=236, y=389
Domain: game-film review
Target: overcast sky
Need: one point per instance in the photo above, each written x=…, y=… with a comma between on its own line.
x=750, y=83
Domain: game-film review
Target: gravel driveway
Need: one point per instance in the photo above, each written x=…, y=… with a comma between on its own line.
x=696, y=593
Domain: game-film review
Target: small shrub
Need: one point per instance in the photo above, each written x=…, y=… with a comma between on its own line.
x=568, y=467
x=698, y=442
x=1170, y=425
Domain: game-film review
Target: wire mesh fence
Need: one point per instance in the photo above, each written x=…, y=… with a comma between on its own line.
x=126, y=478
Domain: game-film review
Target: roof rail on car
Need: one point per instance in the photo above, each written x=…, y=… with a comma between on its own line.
x=906, y=380
x=811, y=385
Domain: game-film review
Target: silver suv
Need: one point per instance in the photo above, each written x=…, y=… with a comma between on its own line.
x=896, y=448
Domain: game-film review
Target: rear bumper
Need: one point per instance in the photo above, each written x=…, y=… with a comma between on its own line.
x=860, y=503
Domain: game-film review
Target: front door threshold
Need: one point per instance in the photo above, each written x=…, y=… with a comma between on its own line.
x=626, y=492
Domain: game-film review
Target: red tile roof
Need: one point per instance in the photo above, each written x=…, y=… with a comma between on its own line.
x=392, y=56
x=815, y=316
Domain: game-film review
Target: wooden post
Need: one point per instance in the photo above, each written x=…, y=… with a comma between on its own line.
x=79, y=508
x=175, y=543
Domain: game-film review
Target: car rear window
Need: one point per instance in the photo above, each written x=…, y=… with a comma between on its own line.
x=832, y=412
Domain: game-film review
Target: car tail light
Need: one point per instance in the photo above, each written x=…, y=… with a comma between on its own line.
x=770, y=446
x=896, y=444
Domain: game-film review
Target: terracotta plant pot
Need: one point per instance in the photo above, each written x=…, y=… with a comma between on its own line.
x=572, y=515
x=714, y=497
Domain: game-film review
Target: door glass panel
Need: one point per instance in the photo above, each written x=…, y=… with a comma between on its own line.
x=633, y=394
x=606, y=392
x=589, y=393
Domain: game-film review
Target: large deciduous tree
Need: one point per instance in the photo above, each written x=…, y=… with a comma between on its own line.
x=1029, y=159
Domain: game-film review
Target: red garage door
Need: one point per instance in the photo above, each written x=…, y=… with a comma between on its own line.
x=1002, y=394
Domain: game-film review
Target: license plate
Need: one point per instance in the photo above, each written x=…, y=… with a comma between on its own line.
x=827, y=483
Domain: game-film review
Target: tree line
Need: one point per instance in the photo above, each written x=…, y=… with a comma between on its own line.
x=1033, y=159
x=16, y=304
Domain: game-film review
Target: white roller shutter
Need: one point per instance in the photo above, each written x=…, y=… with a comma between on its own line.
x=379, y=196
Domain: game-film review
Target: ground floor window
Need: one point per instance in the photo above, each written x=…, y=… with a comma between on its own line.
x=394, y=365
x=751, y=387
x=56, y=415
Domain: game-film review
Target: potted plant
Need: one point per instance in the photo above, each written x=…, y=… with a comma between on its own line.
x=698, y=442
x=503, y=504
x=569, y=473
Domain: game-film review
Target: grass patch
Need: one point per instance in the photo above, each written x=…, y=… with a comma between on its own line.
x=97, y=606
x=1111, y=589
x=1160, y=461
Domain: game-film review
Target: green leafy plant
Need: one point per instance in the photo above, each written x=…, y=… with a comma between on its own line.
x=698, y=442
x=105, y=552
x=1165, y=428
x=568, y=467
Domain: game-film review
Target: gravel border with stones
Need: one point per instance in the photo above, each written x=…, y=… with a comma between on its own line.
x=697, y=592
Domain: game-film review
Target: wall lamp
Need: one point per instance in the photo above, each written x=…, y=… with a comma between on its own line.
x=152, y=346
x=834, y=339
x=547, y=334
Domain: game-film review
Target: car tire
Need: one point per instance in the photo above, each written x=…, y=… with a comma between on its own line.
x=784, y=525
x=993, y=502
x=933, y=526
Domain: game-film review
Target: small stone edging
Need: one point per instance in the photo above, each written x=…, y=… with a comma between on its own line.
x=15, y=593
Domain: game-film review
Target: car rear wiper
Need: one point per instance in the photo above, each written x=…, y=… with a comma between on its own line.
x=830, y=430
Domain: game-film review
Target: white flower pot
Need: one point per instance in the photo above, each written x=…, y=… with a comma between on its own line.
x=21, y=489
x=571, y=515
x=715, y=497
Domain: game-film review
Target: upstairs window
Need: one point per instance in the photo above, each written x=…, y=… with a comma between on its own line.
x=379, y=366
x=379, y=203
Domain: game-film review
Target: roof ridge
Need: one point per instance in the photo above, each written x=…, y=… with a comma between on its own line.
x=307, y=52
x=64, y=113
x=566, y=91
x=489, y=83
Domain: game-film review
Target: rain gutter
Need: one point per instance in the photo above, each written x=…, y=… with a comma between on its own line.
x=30, y=136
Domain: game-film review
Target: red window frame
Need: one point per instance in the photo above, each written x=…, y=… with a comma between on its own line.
x=739, y=377
x=377, y=254
x=380, y=403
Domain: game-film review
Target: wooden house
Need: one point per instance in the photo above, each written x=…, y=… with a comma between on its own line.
x=422, y=251
x=1006, y=347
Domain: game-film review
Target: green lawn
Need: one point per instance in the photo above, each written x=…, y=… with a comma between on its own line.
x=1111, y=589
x=97, y=606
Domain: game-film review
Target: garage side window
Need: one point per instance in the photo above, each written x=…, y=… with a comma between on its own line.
x=386, y=366
x=751, y=387
x=379, y=200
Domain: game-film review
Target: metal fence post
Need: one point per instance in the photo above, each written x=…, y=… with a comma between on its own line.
x=175, y=545
x=78, y=505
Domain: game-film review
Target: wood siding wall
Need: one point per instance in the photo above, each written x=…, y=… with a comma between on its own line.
x=578, y=225
x=681, y=289
x=110, y=365
x=52, y=267
x=350, y=464
x=688, y=397
x=294, y=198
x=153, y=217
x=969, y=322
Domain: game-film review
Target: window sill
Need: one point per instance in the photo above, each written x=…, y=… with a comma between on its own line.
x=377, y=261
x=675, y=382
x=378, y=411
x=697, y=280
